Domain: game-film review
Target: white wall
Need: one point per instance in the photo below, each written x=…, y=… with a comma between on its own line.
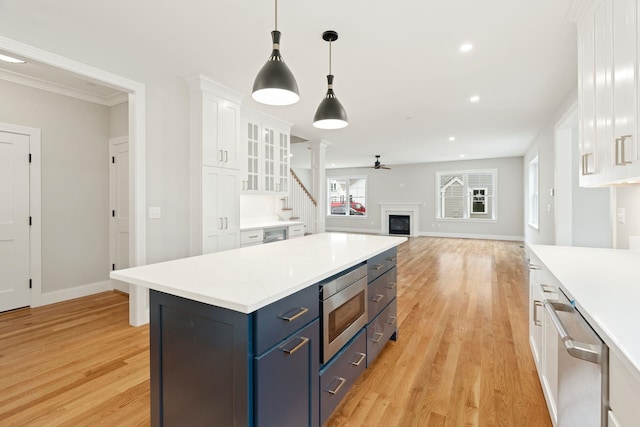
x=628, y=197
x=416, y=184
x=75, y=182
x=255, y=209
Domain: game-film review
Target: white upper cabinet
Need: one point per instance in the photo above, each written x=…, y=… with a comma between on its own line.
x=215, y=124
x=608, y=92
x=266, y=148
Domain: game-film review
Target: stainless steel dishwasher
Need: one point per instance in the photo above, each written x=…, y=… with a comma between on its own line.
x=583, y=367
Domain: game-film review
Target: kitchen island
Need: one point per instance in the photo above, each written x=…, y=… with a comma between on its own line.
x=235, y=335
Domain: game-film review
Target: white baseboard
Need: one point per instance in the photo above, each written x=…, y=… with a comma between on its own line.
x=430, y=234
x=76, y=292
x=354, y=230
x=473, y=236
x=117, y=285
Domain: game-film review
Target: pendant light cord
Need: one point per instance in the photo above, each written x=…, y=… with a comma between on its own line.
x=276, y=28
x=330, y=56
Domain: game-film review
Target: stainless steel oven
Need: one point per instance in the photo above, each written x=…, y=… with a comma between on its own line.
x=343, y=301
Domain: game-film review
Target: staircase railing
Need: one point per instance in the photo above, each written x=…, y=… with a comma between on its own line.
x=302, y=203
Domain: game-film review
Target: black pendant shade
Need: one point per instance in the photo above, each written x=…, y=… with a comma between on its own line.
x=275, y=84
x=330, y=113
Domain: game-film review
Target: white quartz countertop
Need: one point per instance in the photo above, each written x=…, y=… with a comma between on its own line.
x=605, y=284
x=250, y=278
x=267, y=224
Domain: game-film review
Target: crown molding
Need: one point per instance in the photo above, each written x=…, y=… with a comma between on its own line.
x=575, y=9
x=109, y=101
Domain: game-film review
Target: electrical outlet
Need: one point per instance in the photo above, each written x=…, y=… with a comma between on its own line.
x=620, y=215
x=154, y=212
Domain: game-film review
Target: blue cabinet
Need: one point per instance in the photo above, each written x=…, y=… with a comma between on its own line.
x=337, y=377
x=381, y=292
x=206, y=369
x=286, y=381
x=380, y=330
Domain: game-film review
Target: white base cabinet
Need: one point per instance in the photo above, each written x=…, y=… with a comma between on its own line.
x=624, y=394
x=543, y=337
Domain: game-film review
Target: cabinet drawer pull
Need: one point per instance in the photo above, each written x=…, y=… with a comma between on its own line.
x=536, y=304
x=255, y=236
x=226, y=156
x=534, y=267
x=301, y=311
x=378, y=338
x=377, y=298
x=339, y=386
x=303, y=341
x=362, y=357
x=391, y=285
x=221, y=223
x=392, y=258
x=377, y=266
x=391, y=320
x=548, y=289
x=221, y=155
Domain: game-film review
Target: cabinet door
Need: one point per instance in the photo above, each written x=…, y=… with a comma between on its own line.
x=220, y=209
x=536, y=314
x=550, y=365
x=229, y=134
x=286, y=381
x=250, y=170
x=586, y=80
x=269, y=159
x=219, y=123
x=624, y=55
x=282, y=185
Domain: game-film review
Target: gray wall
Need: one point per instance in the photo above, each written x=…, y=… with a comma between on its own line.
x=628, y=197
x=416, y=184
x=544, y=147
x=119, y=120
x=75, y=182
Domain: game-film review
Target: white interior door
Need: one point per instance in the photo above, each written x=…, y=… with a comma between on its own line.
x=119, y=194
x=14, y=221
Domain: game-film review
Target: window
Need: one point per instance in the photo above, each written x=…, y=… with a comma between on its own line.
x=353, y=190
x=466, y=195
x=533, y=193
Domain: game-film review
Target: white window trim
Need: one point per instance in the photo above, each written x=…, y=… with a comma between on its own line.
x=347, y=177
x=438, y=207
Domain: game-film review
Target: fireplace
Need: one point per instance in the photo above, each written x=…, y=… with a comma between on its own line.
x=400, y=224
x=408, y=218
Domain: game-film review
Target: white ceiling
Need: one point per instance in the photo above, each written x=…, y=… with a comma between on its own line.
x=399, y=73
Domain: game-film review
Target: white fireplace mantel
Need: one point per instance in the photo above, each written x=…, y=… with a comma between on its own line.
x=410, y=209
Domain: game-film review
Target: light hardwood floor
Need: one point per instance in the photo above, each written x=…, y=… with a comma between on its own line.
x=462, y=358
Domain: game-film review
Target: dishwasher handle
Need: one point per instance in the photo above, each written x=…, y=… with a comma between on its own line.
x=577, y=349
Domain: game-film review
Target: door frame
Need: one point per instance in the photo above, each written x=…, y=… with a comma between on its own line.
x=35, y=189
x=138, y=307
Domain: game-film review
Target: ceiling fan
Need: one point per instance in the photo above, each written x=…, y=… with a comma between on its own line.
x=378, y=165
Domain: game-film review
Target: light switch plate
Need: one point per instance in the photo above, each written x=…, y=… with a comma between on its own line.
x=620, y=215
x=154, y=212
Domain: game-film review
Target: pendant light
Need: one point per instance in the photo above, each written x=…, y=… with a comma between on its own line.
x=275, y=84
x=330, y=113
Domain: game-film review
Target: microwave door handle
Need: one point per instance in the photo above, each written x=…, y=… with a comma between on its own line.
x=577, y=349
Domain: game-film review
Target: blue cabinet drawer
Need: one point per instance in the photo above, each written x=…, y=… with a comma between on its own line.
x=339, y=375
x=277, y=321
x=286, y=381
x=380, y=330
x=381, y=292
x=381, y=263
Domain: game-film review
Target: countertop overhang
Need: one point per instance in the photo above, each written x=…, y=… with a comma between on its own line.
x=605, y=284
x=250, y=278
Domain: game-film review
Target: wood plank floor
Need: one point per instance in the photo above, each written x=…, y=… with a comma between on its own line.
x=462, y=358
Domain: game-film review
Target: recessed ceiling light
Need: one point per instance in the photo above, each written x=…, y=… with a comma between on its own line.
x=452, y=138
x=11, y=59
x=466, y=47
x=474, y=98
x=333, y=165
x=461, y=155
